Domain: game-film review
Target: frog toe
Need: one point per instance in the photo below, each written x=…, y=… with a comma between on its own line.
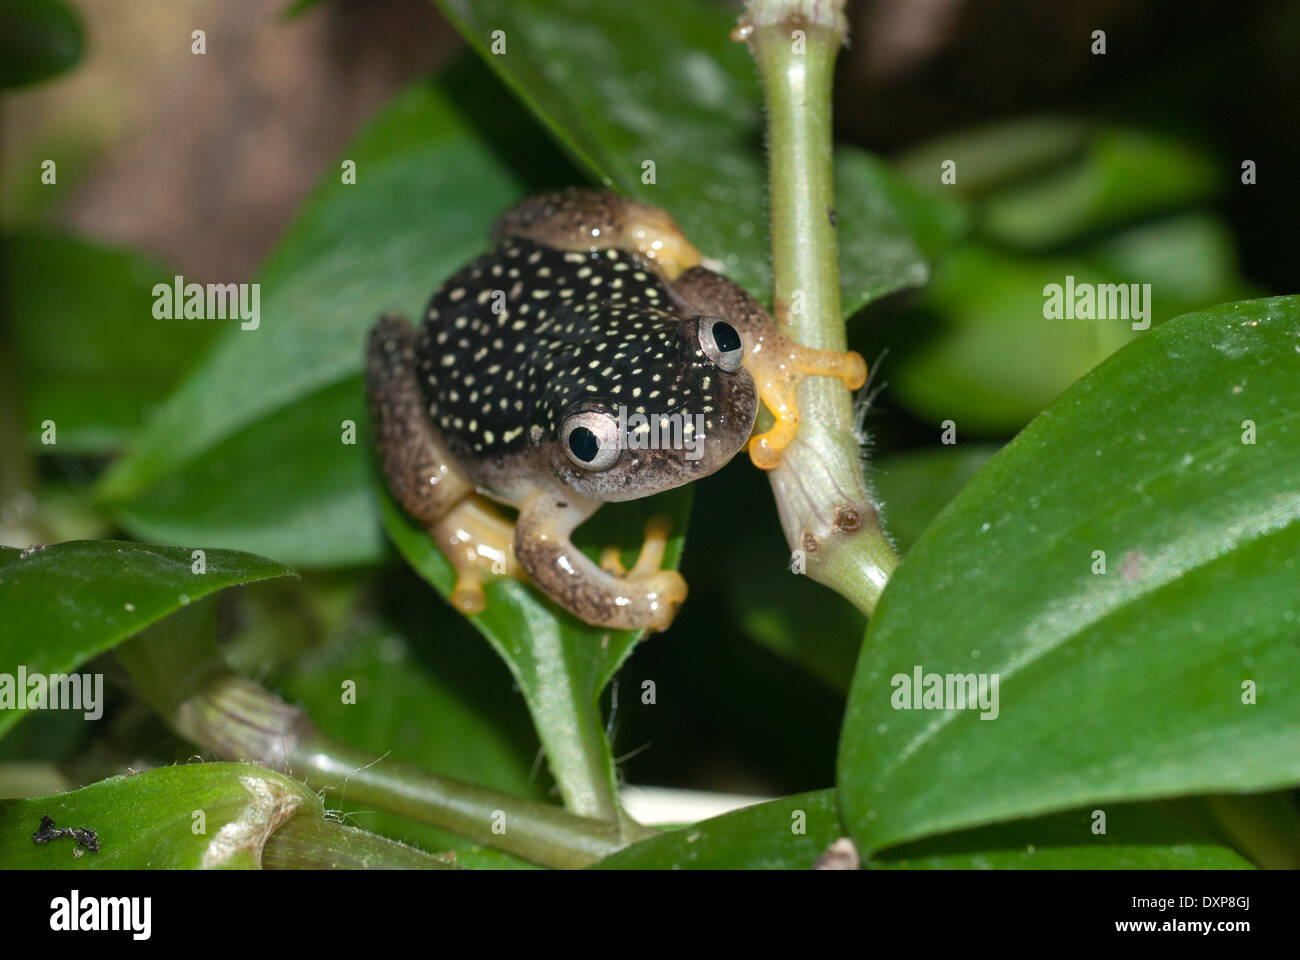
x=778, y=369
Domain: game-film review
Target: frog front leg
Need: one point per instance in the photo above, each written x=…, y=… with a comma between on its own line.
x=644, y=598
x=776, y=362
x=422, y=474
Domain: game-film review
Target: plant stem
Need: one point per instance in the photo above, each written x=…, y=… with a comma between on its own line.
x=820, y=490
x=316, y=843
x=177, y=668
x=239, y=720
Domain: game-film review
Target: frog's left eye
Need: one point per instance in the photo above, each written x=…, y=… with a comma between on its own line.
x=721, y=343
x=592, y=440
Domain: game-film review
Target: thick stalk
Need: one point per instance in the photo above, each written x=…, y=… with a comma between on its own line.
x=237, y=719
x=176, y=668
x=821, y=494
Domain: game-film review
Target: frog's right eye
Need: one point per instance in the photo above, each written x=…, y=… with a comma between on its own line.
x=592, y=440
x=721, y=343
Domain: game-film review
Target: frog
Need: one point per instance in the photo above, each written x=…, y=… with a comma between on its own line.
x=535, y=376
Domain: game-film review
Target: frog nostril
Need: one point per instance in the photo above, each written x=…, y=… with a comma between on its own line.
x=721, y=343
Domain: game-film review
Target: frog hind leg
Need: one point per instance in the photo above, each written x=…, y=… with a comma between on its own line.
x=422, y=474
x=579, y=219
x=776, y=362
x=479, y=542
x=644, y=598
x=651, y=557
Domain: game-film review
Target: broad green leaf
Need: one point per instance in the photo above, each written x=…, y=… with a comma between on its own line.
x=1189, y=259
x=1125, y=175
x=39, y=39
x=284, y=486
x=250, y=817
x=995, y=154
x=623, y=85
x=436, y=698
x=147, y=820
x=251, y=448
x=1176, y=670
x=94, y=360
x=560, y=663
x=786, y=834
x=65, y=603
x=1137, y=837
x=978, y=349
x=912, y=487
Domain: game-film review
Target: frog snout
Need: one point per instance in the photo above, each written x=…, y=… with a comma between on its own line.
x=611, y=452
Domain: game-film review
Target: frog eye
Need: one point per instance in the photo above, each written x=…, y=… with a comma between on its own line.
x=721, y=343
x=592, y=440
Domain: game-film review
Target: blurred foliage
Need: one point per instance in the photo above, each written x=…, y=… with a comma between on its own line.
x=39, y=39
x=92, y=361
x=222, y=438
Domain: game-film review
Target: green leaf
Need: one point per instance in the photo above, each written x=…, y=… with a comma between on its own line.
x=298, y=7
x=147, y=820
x=64, y=604
x=39, y=39
x=94, y=359
x=912, y=487
x=1117, y=686
x=761, y=837
x=1125, y=175
x=978, y=349
x=284, y=486
x=1190, y=258
x=995, y=154
x=1137, y=837
x=560, y=663
x=485, y=858
x=250, y=450
x=624, y=84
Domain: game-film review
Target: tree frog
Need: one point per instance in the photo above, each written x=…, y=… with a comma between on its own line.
x=588, y=357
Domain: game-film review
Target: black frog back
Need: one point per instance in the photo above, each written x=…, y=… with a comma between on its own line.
x=524, y=332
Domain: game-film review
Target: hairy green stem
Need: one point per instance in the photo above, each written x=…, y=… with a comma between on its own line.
x=820, y=489
x=316, y=843
x=176, y=668
x=237, y=719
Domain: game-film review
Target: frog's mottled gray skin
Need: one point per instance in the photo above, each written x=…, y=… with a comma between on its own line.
x=564, y=315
